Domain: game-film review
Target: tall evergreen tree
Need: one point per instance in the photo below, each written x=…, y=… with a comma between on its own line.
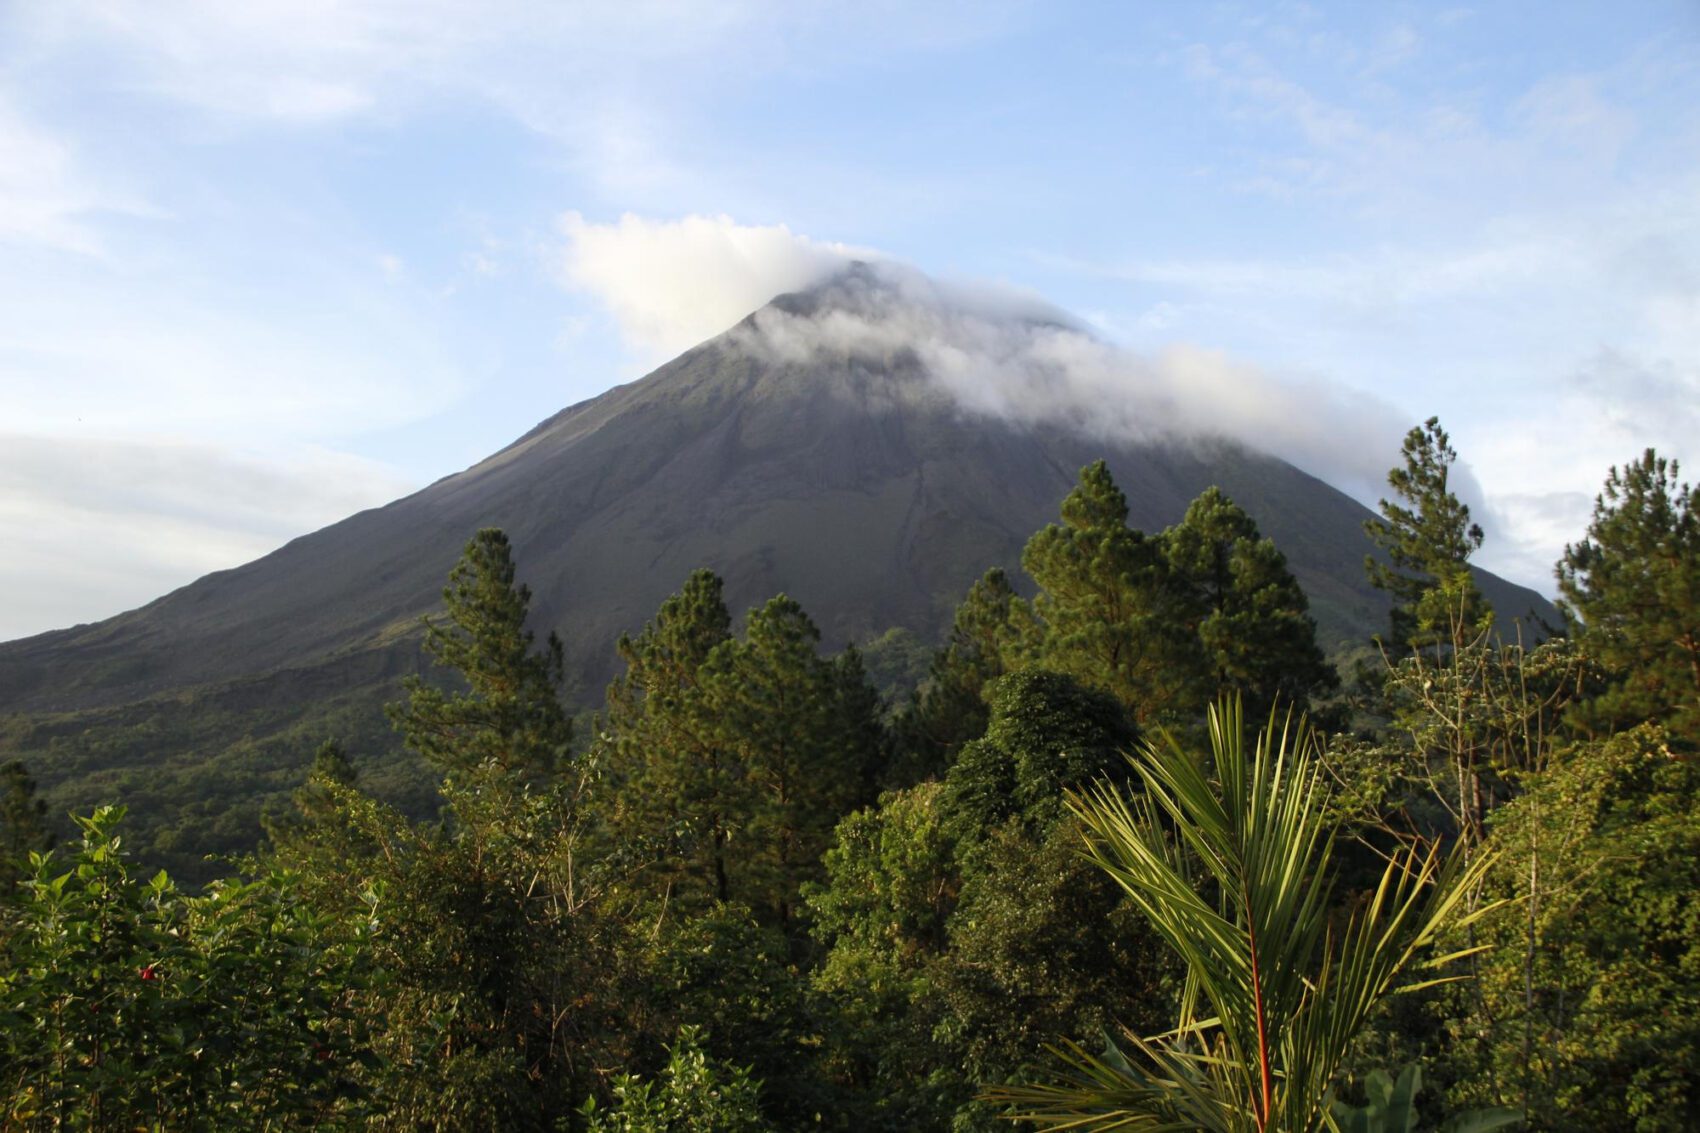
x=1633, y=585
x=500, y=965
x=1427, y=541
x=781, y=712
x=1255, y=633
x=678, y=781
x=1106, y=613
x=510, y=715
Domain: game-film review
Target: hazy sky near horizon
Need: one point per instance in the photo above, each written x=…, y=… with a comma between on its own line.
x=265, y=264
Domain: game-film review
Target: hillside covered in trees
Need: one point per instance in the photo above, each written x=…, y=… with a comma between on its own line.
x=1134, y=855
x=848, y=478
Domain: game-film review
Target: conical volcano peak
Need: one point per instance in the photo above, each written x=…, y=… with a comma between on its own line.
x=881, y=288
x=987, y=349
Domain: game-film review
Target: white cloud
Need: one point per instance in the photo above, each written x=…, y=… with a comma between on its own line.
x=95, y=526
x=674, y=283
x=46, y=194
x=1008, y=355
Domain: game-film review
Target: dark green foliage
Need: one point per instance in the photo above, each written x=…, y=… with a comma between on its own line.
x=898, y=662
x=1105, y=613
x=738, y=755
x=691, y=926
x=1166, y=623
x=1427, y=541
x=1042, y=947
x=510, y=714
x=1633, y=585
x=125, y=1004
x=965, y=929
x=950, y=708
x=247, y=755
x=23, y=825
x=315, y=800
x=789, y=722
x=723, y=970
x=1257, y=639
x=680, y=791
x=501, y=974
x=1047, y=733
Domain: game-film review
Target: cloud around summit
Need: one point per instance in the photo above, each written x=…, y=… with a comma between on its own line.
x=998, y=351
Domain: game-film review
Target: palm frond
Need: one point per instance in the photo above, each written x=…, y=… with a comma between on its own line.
x=1232, y=863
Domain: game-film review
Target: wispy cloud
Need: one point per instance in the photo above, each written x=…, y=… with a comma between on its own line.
x=48, y=196
x=149, y=514
x=1005, y=354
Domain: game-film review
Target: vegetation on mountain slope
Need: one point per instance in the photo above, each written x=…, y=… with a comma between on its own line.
x=750, y=895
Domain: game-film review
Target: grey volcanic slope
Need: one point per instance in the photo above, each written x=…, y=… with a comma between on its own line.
x=849, y=482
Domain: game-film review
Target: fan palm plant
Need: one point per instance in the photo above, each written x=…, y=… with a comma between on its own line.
x=1232, y=862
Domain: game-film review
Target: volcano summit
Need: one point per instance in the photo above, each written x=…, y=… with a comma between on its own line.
x=870, y=446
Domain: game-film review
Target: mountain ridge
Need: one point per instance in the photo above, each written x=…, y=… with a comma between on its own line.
x=725, y=457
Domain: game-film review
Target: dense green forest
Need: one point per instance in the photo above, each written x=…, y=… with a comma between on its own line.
x=1132, y=856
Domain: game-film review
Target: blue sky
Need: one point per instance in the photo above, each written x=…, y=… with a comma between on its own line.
x=264, y=264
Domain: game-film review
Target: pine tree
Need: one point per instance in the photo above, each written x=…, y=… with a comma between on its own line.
x=678, y=784
x=1106, y=613
x=784, y=715
x=510, y=716
x=1251, y=616
x=1633, y=587
x=1427, y=541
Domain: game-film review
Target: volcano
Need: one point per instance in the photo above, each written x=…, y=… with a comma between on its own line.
x=810, y=450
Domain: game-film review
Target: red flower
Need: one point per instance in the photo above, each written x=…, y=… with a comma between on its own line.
x=148, y=972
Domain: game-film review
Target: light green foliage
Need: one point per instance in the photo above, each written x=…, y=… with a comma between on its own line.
x=1634, y=585
x=1256, y=636
x=1390, y=1106
x=1585, y=1010
x=1427, y=541
x=125, y=1004
x=891, y=884
x=1470, y=721
x=1231, y=861
x=693, y=1094
x=510, y=714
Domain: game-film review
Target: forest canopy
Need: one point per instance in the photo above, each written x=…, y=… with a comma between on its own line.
x=1132, y=855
